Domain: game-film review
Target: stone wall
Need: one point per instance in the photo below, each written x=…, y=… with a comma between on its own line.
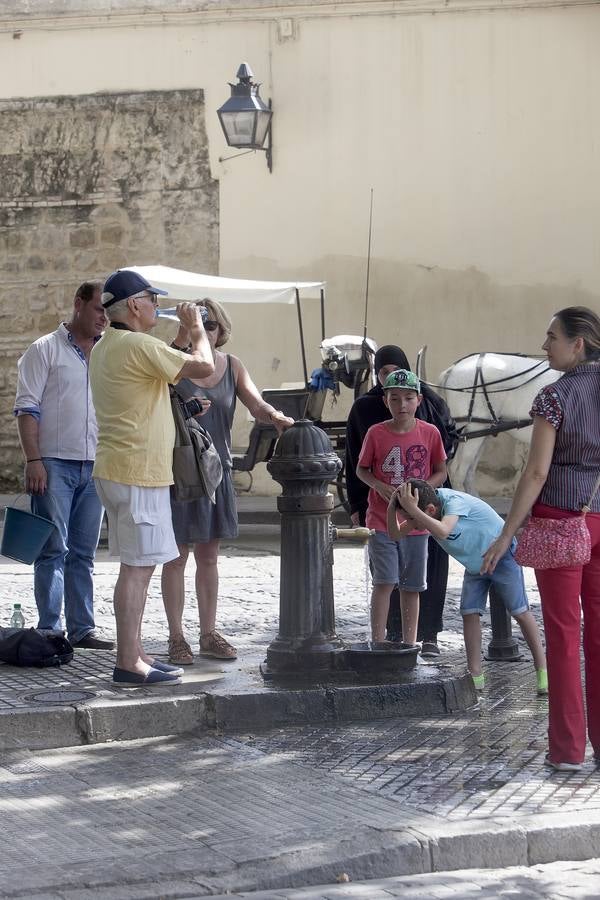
x=88, y=184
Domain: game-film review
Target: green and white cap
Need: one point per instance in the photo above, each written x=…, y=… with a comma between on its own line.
x=402, y=378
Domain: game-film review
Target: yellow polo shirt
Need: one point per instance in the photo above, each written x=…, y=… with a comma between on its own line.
x=129, y=375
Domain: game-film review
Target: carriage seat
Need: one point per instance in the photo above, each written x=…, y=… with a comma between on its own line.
x=260, y=448
x=299, y=403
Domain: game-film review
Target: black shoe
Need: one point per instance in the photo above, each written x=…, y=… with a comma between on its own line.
x=91, y=642
x=153, y=677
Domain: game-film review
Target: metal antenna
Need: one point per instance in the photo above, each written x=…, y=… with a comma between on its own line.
x=368, y=267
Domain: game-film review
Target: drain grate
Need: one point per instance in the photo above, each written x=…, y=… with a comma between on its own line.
x=56, y=697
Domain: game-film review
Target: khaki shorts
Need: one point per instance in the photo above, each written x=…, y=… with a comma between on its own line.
x=140, y=530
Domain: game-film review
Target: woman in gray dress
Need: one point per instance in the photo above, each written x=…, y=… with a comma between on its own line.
x=200, y=523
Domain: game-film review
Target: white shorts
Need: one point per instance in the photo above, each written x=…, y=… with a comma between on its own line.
x=140, y=529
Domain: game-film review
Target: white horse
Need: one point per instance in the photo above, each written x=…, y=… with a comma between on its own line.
x=488, y=393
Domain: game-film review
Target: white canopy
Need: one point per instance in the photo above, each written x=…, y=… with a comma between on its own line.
x=183, y=285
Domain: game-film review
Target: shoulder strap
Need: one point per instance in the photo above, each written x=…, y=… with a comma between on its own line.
x=588, y=505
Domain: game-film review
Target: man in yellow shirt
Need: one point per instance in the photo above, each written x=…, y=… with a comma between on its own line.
x=130, y=372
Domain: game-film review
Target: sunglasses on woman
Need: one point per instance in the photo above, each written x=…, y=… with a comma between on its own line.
x=210, y=325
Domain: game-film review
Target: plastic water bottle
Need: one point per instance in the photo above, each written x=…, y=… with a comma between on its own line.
x=17, y=619
x=171, y=313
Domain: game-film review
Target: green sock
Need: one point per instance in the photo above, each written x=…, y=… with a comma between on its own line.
x=541, y=677
x=478, y=681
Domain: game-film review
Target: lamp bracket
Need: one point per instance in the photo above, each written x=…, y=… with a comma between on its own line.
x=235, y=155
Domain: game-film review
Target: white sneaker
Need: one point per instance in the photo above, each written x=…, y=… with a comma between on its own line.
x=562, y=766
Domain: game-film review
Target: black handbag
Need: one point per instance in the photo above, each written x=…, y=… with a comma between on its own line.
x=34, y=647
x=197, y=467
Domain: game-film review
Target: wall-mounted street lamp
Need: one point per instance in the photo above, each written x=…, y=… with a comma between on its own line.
x=245, y=118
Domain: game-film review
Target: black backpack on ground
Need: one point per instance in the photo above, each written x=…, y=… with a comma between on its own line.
x=34, y=647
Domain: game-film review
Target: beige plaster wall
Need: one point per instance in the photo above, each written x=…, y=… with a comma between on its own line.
x=477, y=126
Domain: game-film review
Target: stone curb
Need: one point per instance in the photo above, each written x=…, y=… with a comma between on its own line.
x=493, y=843
x=122, y=718
x=478, y=844
x=368, y=853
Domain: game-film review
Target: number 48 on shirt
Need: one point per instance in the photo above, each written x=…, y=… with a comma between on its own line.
x=404, y=464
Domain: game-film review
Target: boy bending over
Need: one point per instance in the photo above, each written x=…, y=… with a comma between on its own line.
x=465, y=526
x=392, y=452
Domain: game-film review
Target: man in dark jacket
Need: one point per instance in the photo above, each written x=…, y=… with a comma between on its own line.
x=370, y=410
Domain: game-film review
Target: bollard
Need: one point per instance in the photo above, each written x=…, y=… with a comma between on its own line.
x=503, y=646
x=304, y=463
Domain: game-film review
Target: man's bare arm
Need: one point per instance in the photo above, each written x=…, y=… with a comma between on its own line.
x=36, y=477
x=200, y=363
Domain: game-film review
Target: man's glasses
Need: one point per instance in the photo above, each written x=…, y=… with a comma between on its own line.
x=151, y=297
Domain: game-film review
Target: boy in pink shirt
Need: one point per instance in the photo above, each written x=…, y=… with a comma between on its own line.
x=392, y=452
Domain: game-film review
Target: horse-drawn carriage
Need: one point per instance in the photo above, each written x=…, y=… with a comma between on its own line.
x=346, y=360
x=487, y=393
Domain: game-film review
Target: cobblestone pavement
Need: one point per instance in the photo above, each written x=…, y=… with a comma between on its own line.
x=473, y=764
x=147, y=810
x=185, y=817
x=232, y=811
x=248, y=614
x=483, y=763
x=579, y=880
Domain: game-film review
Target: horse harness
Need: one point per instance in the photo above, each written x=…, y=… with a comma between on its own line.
x=494, y=424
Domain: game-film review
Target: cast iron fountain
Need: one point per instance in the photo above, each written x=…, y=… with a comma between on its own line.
x=304, y=463
x=307, y=645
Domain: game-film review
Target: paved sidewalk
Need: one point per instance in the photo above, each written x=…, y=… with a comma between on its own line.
x=277, y=807
x=79, y=704
x=196, y=816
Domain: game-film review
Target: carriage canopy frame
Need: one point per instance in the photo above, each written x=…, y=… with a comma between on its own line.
x=182, y=285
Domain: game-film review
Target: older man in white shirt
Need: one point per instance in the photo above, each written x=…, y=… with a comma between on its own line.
x=58, y=433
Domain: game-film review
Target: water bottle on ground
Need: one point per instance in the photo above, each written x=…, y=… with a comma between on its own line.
x=171, y=313
x=17, y=620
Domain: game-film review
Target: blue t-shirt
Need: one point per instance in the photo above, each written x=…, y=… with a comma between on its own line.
x=478, y=525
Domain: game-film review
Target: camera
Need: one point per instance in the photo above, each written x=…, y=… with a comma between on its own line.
x=193, y=407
